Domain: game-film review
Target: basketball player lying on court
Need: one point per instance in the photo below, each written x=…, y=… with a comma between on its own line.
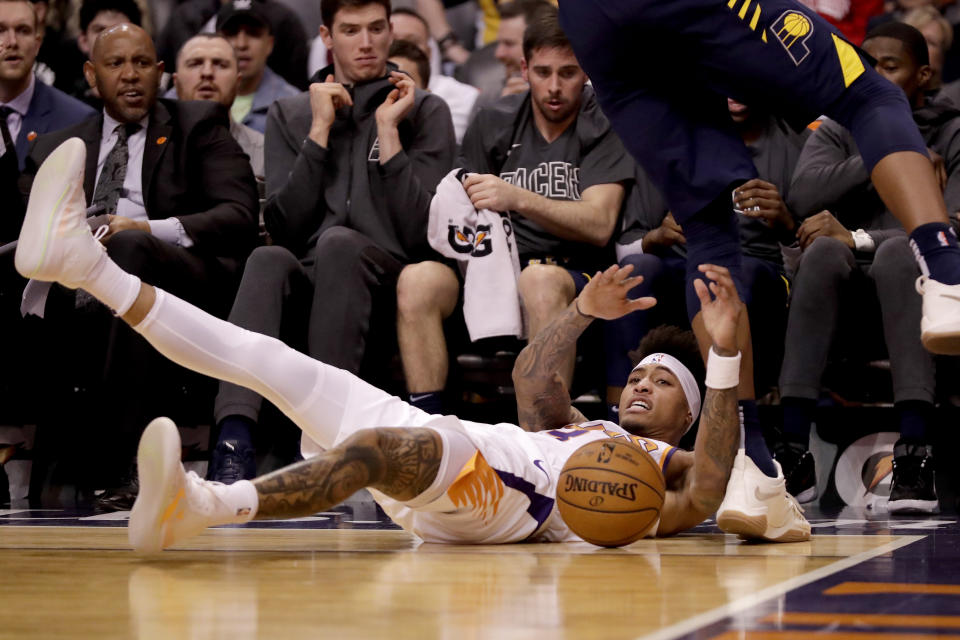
x=441, y=478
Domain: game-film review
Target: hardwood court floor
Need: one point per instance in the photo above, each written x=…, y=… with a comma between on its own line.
x=239, y=583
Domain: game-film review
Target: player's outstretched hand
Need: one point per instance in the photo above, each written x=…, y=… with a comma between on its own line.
x=605, y=296
x=720, y=307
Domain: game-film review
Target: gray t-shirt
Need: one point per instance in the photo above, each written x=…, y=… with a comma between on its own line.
x=505, y=141
x=560, y=170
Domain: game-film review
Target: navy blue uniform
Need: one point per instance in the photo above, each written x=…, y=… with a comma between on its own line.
x=663, y=68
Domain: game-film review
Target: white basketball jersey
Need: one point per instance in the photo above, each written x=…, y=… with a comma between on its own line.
x=507, y=491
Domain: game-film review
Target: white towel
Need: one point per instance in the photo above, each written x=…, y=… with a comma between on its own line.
x=484, y=245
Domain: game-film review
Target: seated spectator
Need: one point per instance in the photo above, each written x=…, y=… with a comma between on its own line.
x=939, y=36
x=496, y=68
x=857, y=275
x=27, y=107
x=410, y=60
x=247, y=28
x=179, y=204
x=350, y=176
x=207, y=70
x=653, y=243
x=289, y=56
x=95, y=16
x=460, y=97
x=549, y=158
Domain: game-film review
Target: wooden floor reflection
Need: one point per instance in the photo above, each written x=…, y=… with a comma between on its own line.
x=79, y=582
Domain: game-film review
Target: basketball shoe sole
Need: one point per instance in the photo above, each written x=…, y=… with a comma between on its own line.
x=55, y=241
x=162, y=488
x=940, y=324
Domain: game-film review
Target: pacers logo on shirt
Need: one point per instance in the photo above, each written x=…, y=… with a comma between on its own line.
x=792, y=29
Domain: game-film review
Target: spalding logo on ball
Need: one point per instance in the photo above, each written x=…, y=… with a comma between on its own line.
x=610, y=492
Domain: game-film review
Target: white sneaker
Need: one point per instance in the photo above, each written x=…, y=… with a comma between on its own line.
x=940, y=325
x=757, y=506
x=172, y=505
x=55, y=241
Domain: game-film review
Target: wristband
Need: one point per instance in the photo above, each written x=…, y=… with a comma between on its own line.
x=723, y=372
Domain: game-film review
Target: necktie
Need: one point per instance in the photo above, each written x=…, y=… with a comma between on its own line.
x=5, y=130
x=110, y=186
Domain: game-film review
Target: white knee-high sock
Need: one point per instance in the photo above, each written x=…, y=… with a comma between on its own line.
x=312, y=394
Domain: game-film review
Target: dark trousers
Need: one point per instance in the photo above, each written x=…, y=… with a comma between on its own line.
x=835, y=296
x=323, y=304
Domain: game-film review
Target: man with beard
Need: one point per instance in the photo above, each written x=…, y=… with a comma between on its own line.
x=207, y=70
x=550, y=158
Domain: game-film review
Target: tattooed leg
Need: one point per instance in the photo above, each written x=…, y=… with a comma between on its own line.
x=399, y=462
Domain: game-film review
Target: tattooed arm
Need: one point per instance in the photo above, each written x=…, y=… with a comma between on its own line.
x=700, y=480
x=400, y=462
x=543, y=401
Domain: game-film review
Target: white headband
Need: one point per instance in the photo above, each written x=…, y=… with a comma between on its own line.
x=687, y=382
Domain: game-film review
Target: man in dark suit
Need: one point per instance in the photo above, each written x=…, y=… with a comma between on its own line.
x=180, y=206
x=27, y=107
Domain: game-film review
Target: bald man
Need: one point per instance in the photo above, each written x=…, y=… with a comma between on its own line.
x=179, y=206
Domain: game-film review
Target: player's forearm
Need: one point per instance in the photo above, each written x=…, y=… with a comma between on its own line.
x=543, y=400
x=716, y=447
x=575, y=220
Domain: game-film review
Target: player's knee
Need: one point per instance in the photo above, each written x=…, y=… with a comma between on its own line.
x=426, y=288
x=644, y=264
x=545, y=288
x=713, y=236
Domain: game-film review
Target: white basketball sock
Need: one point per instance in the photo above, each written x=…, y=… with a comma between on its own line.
x=241, y=501
x=111, y=285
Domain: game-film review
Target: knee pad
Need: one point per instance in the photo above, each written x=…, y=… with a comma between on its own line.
x=878, y=115
x=713, y=237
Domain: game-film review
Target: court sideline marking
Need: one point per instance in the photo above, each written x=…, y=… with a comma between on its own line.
x=731, y=608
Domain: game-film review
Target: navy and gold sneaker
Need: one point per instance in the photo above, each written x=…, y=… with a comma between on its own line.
x=232, y=460
x=913, y=488
x=799, y=470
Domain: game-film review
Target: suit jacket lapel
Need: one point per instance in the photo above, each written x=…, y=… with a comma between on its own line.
x=158, y=139
x=37, y=114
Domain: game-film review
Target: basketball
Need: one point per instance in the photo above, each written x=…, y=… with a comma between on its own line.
x=610, y=492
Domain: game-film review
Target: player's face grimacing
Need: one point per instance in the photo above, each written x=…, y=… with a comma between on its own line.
x=556, y=82
x=653, y=404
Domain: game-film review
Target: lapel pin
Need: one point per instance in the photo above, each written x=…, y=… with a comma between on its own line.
x=32, y=136
x=162, y=140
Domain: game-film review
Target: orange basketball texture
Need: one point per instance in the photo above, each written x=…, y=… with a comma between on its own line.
x=610, y=492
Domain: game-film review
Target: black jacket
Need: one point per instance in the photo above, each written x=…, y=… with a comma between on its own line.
x=193, y=170
x=311, y=188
